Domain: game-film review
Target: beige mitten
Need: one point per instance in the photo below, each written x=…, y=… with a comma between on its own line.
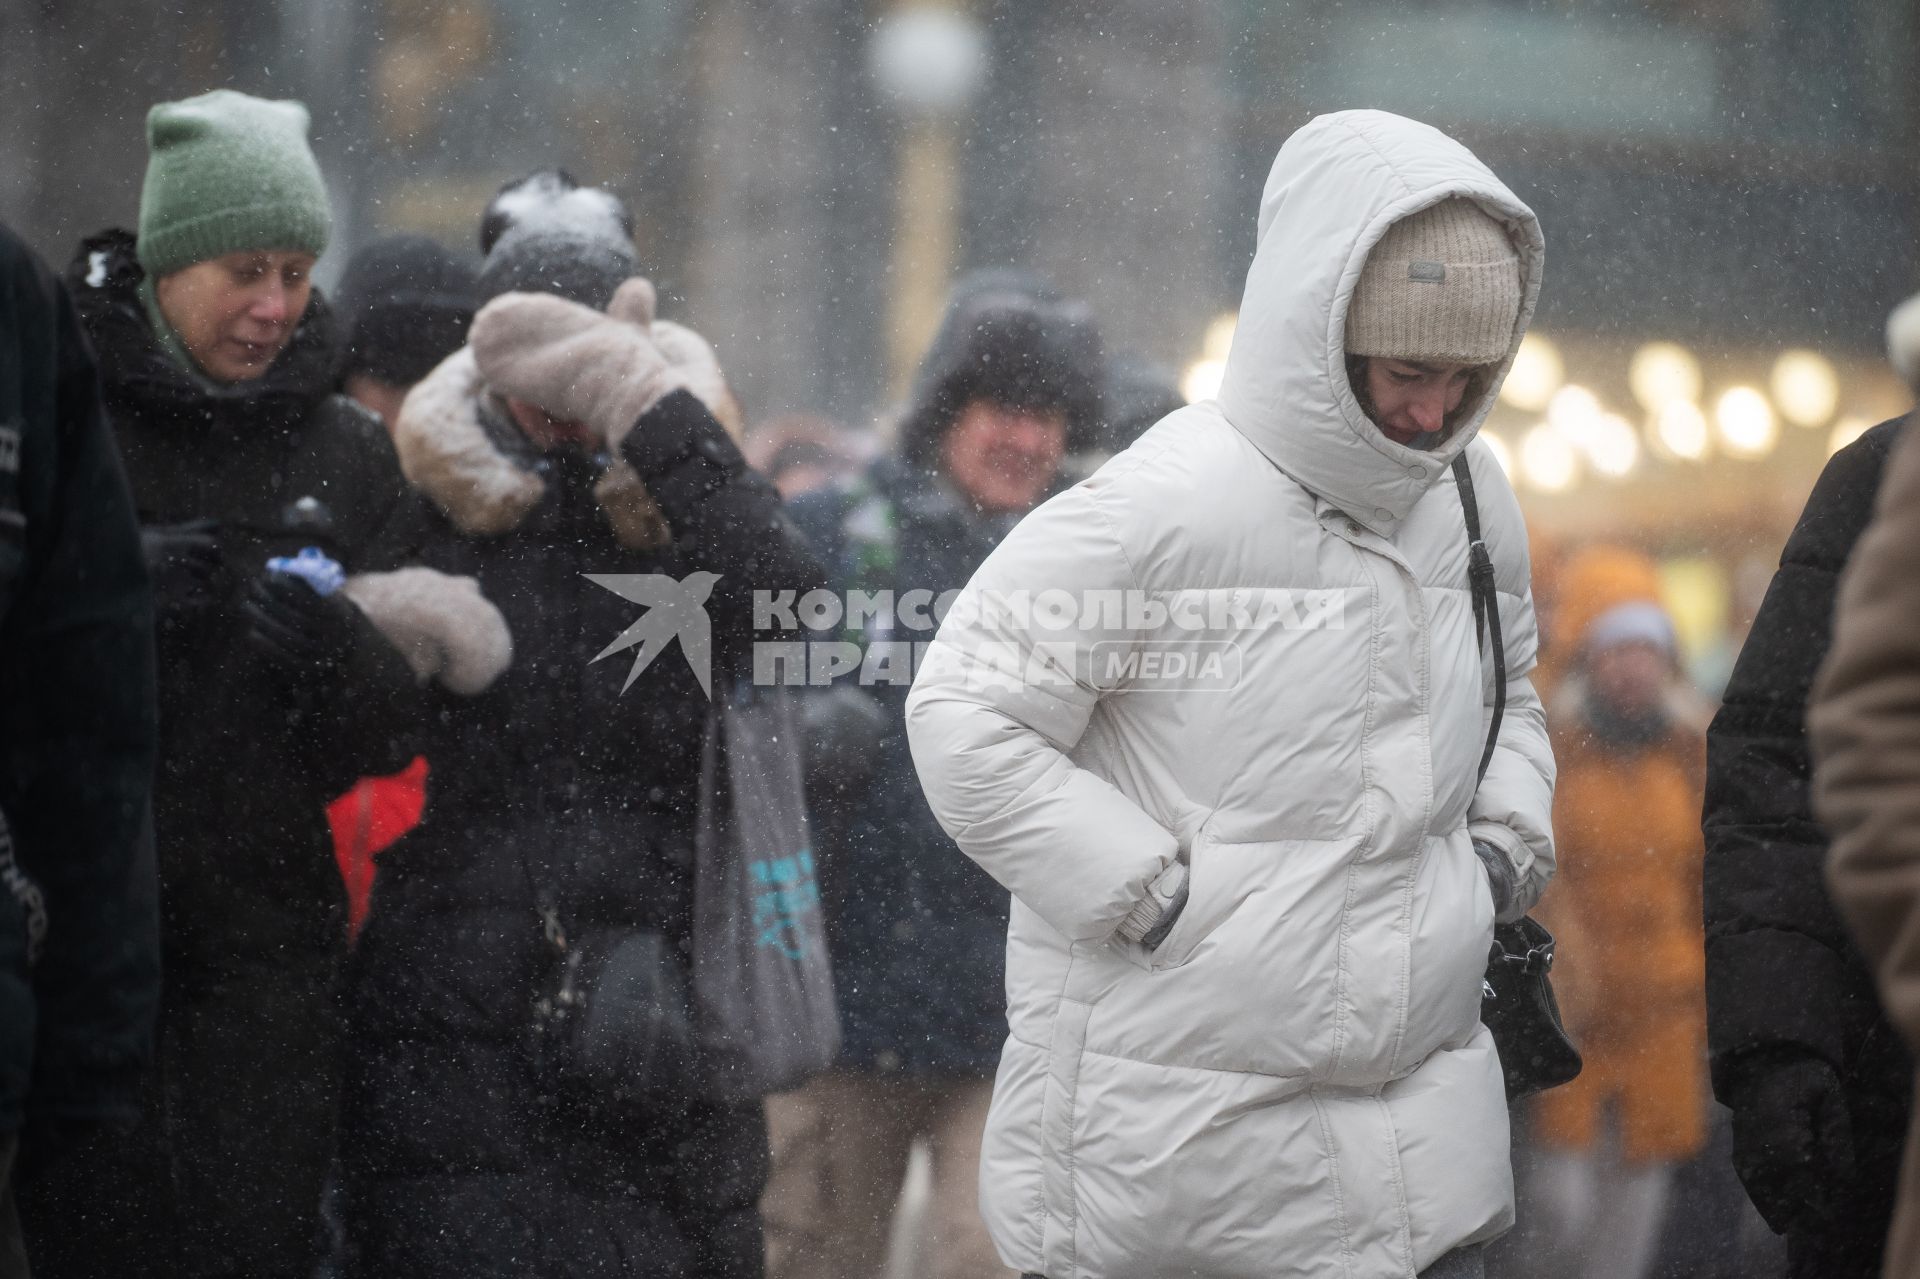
x=690, y=356
x=578, y=364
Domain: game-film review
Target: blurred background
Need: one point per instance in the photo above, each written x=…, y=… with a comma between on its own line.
x=1728, y=189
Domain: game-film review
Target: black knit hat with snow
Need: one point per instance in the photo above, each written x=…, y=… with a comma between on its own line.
x=545, y=233
x=1009, y=338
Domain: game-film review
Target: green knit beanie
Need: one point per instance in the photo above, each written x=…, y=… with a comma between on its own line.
x=227, y=172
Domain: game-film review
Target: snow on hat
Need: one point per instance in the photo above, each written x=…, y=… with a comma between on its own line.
x=1443, y=284
x=405, y=303
x=548, y=234
x=228, y=172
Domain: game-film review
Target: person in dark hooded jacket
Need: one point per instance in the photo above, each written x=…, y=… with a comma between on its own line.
x=1818, y=1081
x=574, y=436
x=217, y=362
x=1009, y=386
x=79, y=909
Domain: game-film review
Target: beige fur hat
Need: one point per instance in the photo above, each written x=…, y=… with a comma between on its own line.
x=1442, y=285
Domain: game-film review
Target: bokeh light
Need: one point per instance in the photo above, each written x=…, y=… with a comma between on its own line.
x=1662, y=372
x=1547, y=459
x=1805, y=387
x=1536, y=374
x=1746, y=423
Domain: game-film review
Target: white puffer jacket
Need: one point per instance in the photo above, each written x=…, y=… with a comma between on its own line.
x=1296, y=1081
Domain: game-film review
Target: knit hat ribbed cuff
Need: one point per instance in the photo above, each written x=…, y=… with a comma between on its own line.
x=288, y=226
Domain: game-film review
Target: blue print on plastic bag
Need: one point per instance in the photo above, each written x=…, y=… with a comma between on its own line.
x=791, y=894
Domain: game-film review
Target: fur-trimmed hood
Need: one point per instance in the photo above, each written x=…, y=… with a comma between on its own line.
x=451, y=453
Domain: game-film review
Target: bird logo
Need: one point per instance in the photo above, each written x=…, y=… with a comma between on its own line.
x=673, y=609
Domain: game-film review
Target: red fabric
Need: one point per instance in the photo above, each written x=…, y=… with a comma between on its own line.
x=367, y=820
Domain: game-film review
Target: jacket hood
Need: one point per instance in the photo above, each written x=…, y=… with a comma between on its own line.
x=1336, y=187
x=1007, y=336
x=142, y=380
x=484, y=479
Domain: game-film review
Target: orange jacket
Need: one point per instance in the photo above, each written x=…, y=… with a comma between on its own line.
x=1630, y=967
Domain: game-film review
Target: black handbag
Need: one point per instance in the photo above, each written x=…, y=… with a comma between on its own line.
x=1516, y=997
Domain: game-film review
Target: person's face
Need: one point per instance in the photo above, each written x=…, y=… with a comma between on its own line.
x=1629, y=677
x=235, y=313
x=1003, y=459
x=377, y=396
x=548, y=432
x=1408, y=398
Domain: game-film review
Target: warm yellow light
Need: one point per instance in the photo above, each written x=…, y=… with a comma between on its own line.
x=1805, y=387
x=1501, y=453
x=1746, y=422
x=1548, y=460
x=1202, y=380
x=1845, y=432
x=1573, y=410
x=1662, y=372
x=1536, y=374
x=1219, y=338
x=1680, y=429
x=1612, y=446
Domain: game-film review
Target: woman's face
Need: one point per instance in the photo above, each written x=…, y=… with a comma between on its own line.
x=236, y=313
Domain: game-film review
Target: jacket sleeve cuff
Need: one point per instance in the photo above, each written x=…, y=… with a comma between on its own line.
x=679, y=443
x=1153, y=916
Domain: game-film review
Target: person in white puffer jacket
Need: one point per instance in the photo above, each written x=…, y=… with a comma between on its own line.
x=1214, y=717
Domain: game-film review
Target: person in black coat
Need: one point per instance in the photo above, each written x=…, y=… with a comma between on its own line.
x=1818, y=1082
x=79, y=907
x=566, y=441
x=217, y=359
x=1010, y=384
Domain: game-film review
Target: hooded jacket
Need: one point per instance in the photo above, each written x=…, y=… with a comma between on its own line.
x=1295, y=1082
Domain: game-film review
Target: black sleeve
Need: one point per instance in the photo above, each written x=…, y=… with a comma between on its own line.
x=377, y=716
x=1781, y=972
x=725, y=517
x=81, y=725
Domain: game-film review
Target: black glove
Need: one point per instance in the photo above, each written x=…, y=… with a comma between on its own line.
x=1792, y=1138
x=183, y=565
x=1502, y=879
x=299, y=628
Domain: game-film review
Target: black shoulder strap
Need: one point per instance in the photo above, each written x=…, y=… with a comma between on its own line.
x=1486, y=604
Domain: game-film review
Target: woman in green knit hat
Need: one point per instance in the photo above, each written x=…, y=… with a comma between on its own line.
x=217, y=360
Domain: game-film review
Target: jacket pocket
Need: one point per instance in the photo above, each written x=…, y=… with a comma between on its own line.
x=1206, y=909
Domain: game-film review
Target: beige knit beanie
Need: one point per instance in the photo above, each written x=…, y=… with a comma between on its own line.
x=1441, y=285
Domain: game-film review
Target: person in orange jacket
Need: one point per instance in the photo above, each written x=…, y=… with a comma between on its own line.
x=1626, y=913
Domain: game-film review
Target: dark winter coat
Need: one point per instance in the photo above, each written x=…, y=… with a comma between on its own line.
x=552, y=783
x=1783, y=978
x=79, y=911
x=918, y=930
x=226, y=1173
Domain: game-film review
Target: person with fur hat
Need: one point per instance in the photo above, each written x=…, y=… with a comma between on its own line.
x=1009, y=385
x=217, y=361
x=1228, y=762
x=1625, y=913
x=566, y=457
